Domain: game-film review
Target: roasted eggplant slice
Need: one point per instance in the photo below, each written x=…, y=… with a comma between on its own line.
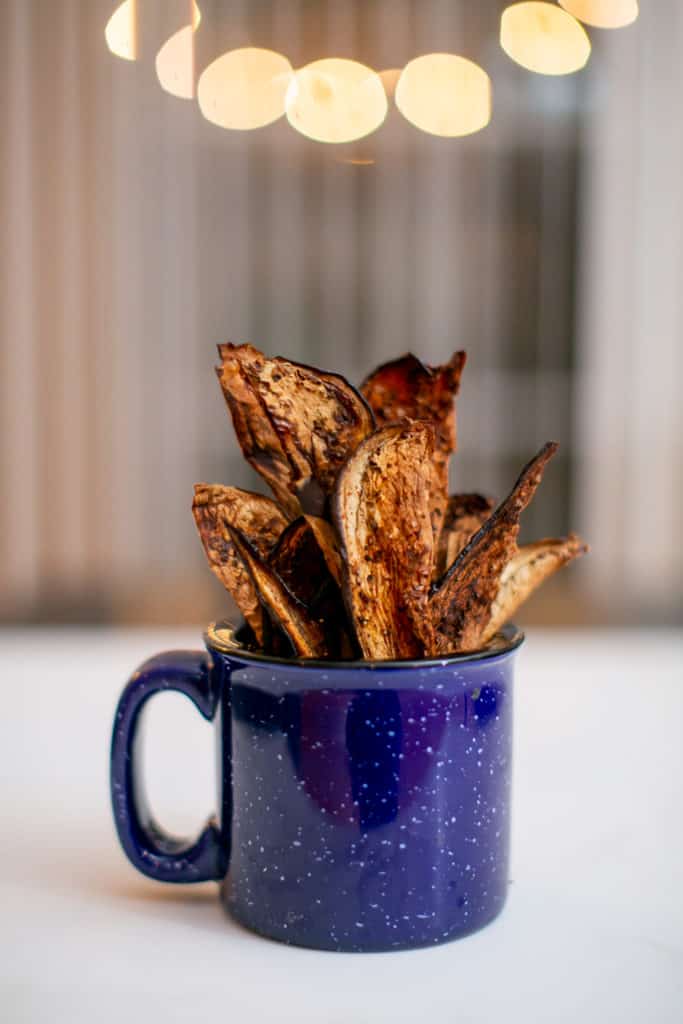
x=382, y=512
x=255, y=432
x=525, y=572
x=298, y=561
x=462, y=602
x=297, y=425
x=303, y=558
x=330, y=545
x=407, y=389
x=304, y=633
x=216, y=509
x=465, y=514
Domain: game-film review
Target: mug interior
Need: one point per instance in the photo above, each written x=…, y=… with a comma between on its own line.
x=226, y=637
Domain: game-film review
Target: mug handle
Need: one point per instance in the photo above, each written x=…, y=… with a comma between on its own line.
x=151, y=850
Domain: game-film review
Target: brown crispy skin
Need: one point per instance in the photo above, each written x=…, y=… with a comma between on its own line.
x=215, y=508
x=330, y=545
x=526, y=571
x=304, y=633
x=303, y=423
x=461, y=603
x=465, y=514
x=382, y=512
x=255, y=433
x=308, y=561
x=407, y=389
x=298, y=561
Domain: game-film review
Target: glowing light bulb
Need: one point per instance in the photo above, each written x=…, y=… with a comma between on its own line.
x=444, y=94
x=245, y=89
x=120, y=31
x=336, y=100
x=544, y=38
x=603, y=13
x=175, y=60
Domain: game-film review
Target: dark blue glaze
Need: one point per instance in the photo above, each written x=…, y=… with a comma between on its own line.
x=147, y=846
x=362, y=807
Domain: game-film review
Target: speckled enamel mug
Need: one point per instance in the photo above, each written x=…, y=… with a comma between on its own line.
x=363, y=806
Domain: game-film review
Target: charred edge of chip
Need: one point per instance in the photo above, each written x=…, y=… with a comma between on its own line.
x=330, y=545
x=511, y=508
x=290, y=561
x=472, y=504
x=287, y=612
x=337, y=380
x=226, y=564
x=415, y=368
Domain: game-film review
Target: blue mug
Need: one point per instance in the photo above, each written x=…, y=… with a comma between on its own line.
x=363, y=806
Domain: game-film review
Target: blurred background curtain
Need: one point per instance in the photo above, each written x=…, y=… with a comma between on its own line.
x=136, y=236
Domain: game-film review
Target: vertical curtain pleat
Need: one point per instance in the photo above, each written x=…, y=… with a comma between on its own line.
x=20, y=438
x=629, y=419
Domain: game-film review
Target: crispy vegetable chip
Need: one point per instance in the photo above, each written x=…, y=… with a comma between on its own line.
x=303, y=632
x=257, y=437
x=216, y=509
x=382, y=512
x=303, y=565
x=465, y=514
x=524, y=573
x=407, y=389
x=297, y=425
x=364, y=554
x=298, y=561
x=329, y=544
x=462, y=602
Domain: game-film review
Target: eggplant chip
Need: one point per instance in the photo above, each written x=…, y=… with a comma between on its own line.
x=465, y=514
x=329, y=544
x=298, y=561
x=215, y=510
x=308, y=561
x=304, y=633
x=382, y=511
x=256, y=435
x=407, y=389
x=525, y=572
x=462, y=601
x=297, y=425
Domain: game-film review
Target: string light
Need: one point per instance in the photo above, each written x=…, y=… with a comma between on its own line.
x=544, y=38
x=336, y=100
x=603, y=13
x=245, y=89
x=445, y=95
x=175, y=60
x=120, y=31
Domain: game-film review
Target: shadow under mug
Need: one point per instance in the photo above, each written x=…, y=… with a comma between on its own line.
x=362, y=806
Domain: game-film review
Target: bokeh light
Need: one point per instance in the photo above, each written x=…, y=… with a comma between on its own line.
x=445, y=95
x=544, y=38
x=120, y=31
x=245, y=89
x=336, y=100
x=175, y=60
x=603, y=13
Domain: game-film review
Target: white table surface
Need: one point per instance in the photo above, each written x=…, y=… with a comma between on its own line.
x=592, y=932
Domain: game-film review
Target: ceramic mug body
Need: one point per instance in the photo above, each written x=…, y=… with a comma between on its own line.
x=362, y=806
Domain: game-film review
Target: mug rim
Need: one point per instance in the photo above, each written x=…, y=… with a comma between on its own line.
x=512, y=638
